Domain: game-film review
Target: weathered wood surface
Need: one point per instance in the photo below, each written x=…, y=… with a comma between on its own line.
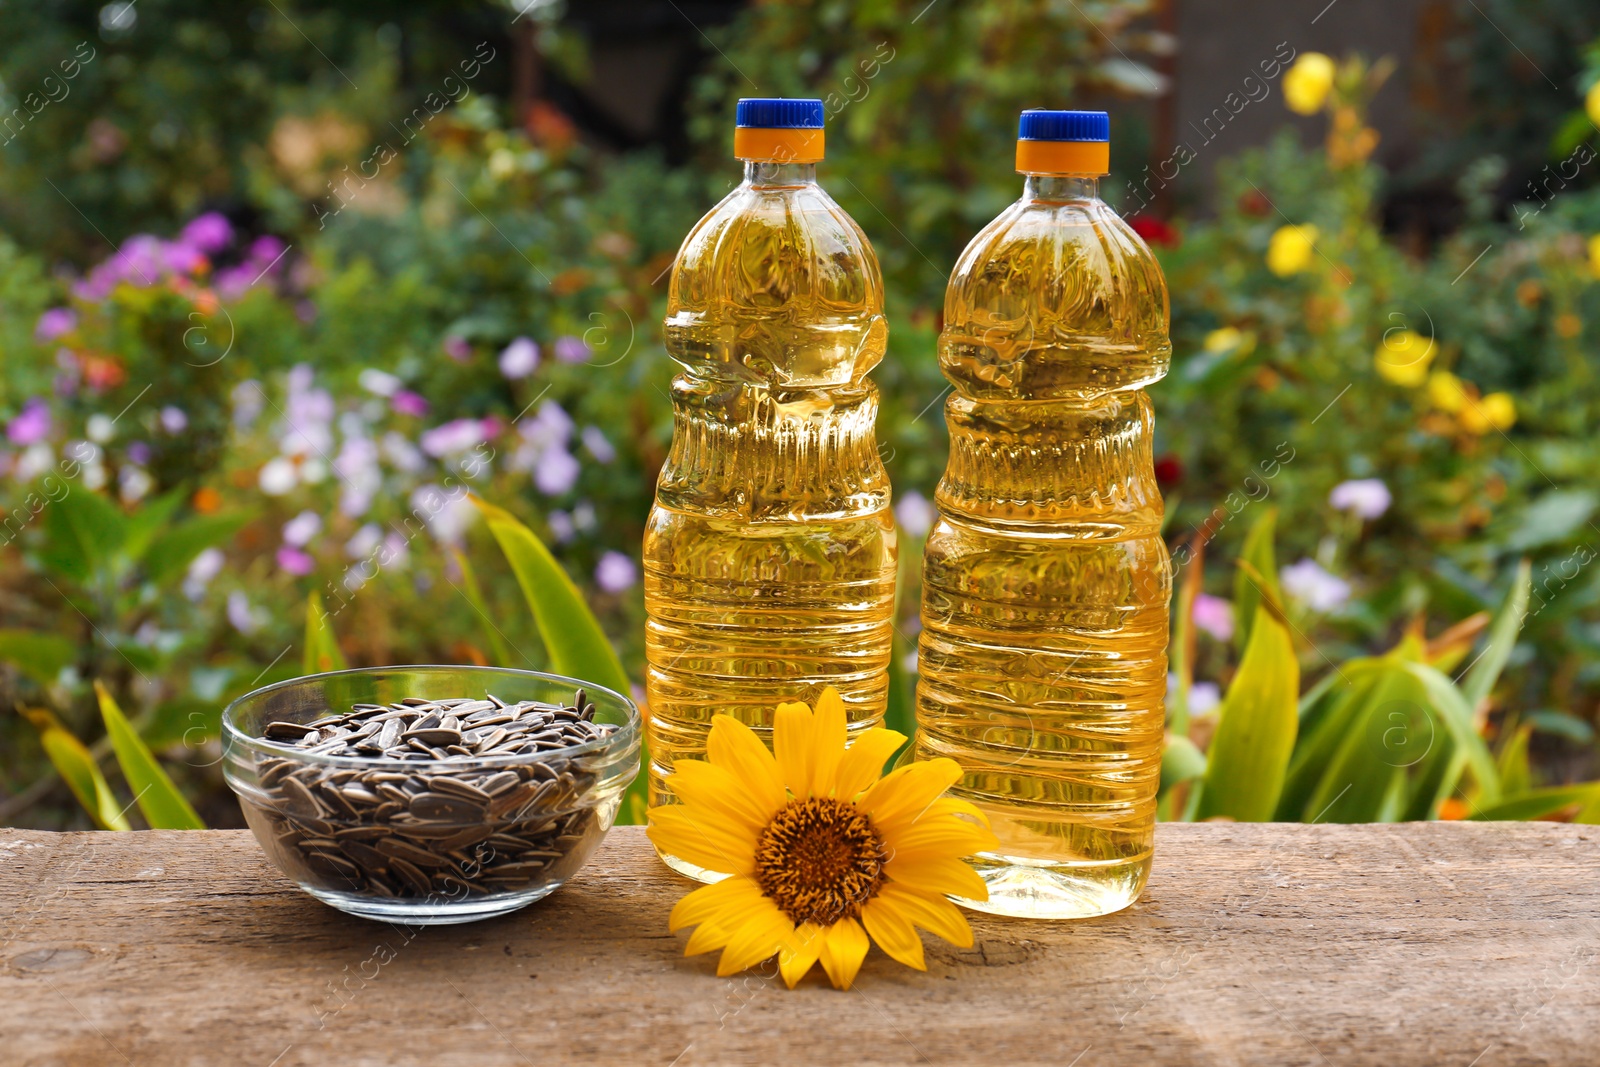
x=1465, y=944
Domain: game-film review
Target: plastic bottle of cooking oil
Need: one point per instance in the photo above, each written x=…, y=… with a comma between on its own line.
x=769, y=557
x=1043, y=654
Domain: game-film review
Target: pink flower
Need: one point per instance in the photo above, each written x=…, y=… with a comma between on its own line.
x=520, y=358
x=458, y=435
x=405, y=402
x=31, y=425
x=174, y=419
x=556, y=472
x=615, y=572
x=54, y=323
x=295, y=561
x=1367, y=498
x=265, y=250
x=181, y=258
x=1214, y=615
x=209, y=233
x=914, y=513
x=1308, y=583
x=457, y=348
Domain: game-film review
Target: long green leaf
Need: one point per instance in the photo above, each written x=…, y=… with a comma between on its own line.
x=1322, y=732
x=163, y=806
x=572, y=635
x=1365, y=776
x=77, y=766
x=1256, y=727
x=1181, y=761
x=142, y=527
x=98, y=526
x=1453, y=711
x=322, y=646
x=1502, y=639
x=1537, y=803
x=474, y=594
x=41, y=656
x=1257, y=551
x=1516, y=775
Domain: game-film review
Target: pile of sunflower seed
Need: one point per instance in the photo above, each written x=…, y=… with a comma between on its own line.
x=435, y=833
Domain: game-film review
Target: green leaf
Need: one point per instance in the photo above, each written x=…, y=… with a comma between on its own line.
x=1323, y=727
x=143, y=525
x=40, y=656
x=97, y=526
x=1537, y=803
x=1181, y=761
x=322, y=647
x=1516, y=776
x=77, y=766
x=1551, y=519
x=1365, y=776
x=1258, y=553
x=1256, y=727
x=577, y=645
x=1453, y=711
x=163, y=806
x=177, y=547
x=474, y=594
x=1502, y=639
x=901, y=712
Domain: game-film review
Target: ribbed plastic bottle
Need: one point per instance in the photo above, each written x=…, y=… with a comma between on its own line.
x=1043, y=653
x=769, y=557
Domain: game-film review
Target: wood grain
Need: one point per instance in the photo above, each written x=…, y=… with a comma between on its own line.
x=1447, y=943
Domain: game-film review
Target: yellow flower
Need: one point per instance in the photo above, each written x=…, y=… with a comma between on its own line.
x=1594, y=242
x=1223, y=340
x=1403, y=357
x=1307, y=84
x=1290, y=249
x=818, y=846
x=1591, y=102
x=1445, y=391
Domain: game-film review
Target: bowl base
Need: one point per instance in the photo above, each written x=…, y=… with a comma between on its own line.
x=429, y=912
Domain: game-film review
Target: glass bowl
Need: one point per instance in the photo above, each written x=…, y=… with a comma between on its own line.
x=427, y=840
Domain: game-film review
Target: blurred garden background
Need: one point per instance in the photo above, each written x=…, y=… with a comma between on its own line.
x=281, y=284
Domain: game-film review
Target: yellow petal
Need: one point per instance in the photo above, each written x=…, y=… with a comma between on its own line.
x=764, y=931
x=720, y=792
x=937, y=875
x=735, y=747
x=863, y=761
x=893, y=932
x=796, y=958
x=828, y=738
x=905, y=795
x=934, y=914
x=707, y=937
x=692, y=835
x=721, y=902
x=791, y=745
x=844, y=947
x=947, y=835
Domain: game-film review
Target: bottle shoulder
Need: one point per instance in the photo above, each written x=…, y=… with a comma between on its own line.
x=778, y=284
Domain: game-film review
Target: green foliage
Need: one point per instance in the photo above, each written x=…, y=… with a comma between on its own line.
x=1256, y=726
x=321, y=646
x=79, y=770
x=164, y=807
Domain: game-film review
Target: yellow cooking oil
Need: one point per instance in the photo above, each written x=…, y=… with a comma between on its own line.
x=769, y=556
x=1043, y=653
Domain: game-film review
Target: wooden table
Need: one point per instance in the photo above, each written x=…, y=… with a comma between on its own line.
x=1437, y=943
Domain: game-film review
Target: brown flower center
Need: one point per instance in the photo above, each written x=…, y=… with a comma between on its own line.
x=820, y=860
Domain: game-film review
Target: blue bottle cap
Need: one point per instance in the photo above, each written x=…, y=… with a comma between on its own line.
x=779, y=113
x=1037, y=124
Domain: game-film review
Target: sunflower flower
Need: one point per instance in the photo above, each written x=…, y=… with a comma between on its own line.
x=819, y=849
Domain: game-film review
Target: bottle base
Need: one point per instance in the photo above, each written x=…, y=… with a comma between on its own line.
x=690, y=870
x=1044, y=889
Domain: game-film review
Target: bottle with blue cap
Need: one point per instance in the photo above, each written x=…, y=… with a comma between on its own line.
x=769, y=556
x=1043, y=653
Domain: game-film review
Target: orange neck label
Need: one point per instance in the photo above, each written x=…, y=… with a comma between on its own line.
x=777, y=146
x=1089, y=158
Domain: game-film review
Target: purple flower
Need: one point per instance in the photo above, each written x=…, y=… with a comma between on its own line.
x=31, y=425
x=299, y=531
x=570, y=349
x=244, y=618
x=209, y=233
x=295, y=561
x=173, y=419
x=264, y=251
x=54, y=323
x=457, y=348
x=458, y=435
x=139, y=260
x=1204, y=697
x=406, y=402
x=1366, y=498
x=233, y=282
x=1214, y=615
x=379, y=383
x=914, y=514
x=556, y=472
x=138, y=452
x=595, y=441
x=182, y=258
x=615, y=572
x=520, y=358
x=1308, y=583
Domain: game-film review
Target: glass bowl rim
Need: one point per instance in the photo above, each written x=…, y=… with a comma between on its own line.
x=624, y=738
